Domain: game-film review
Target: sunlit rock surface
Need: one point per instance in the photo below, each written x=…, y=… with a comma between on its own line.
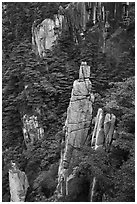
x=18, y=184
x=79, y=115
x=103, y=132
x=79, y=112
x=75, y=19
x=45, y=34
x=103, y=135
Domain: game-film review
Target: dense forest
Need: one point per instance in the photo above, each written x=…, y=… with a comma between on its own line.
x=41, y=86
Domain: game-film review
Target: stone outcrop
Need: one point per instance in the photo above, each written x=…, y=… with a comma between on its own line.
x=102, y=138
x=71, y=19
x=76, y=129
x=76, y=19
x=103, y=133
x=79, y=115
x=32, y=130
x=98, y=137
x=45, y=34
x=18, y=184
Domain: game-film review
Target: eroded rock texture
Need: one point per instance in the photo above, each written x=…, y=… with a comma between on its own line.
x=18, y=184
x=79, y=115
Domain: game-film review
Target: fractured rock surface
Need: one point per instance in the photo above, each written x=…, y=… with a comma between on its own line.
x=79, y=115
x=79, y=112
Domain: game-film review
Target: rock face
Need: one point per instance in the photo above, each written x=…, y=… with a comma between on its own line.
x=79, y=115
x=75, y=19
x=32, y=130
x=71, y=19
x=102, y=138
x=103, y=132
x=77, y=14
x=79, y=112
x=98, y=136
x=18, y=184
x=78, y=122
x=45, y=34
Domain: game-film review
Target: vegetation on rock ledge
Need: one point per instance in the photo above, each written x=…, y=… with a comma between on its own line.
x=49, y=83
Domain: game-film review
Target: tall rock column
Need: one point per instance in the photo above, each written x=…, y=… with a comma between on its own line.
x=18, y=184
x=103, y=132
x=102, y=138
x=79, y=115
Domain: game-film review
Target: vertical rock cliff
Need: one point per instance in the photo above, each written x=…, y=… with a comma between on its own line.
x=78, y=122
x=79, y=115
x=76, y=19
x=102, y=138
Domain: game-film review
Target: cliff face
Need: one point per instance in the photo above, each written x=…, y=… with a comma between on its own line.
x=79, y=115
x=76, y=19
x=72, y=19
x=77, y=125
